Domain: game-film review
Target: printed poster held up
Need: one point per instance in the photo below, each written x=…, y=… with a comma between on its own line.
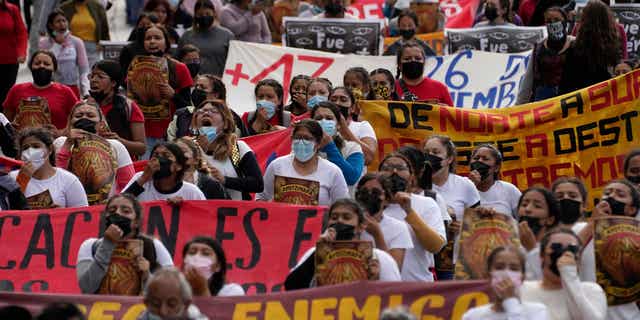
x=495, y=39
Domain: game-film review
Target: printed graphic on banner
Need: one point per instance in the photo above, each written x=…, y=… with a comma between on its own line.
x=339, y=262
x=144, y=76
x=480, y=234
x=362, y=37
x=122, y=277
x=628, y=15
x=585, y=134
x=33, y=112
x=42, y=200
x=475, y=79
x=262, y=240
x=495, y=39
x=362, y=300
x=617, y=247
x=111, y=49
x=94, y=163
x=296, y=191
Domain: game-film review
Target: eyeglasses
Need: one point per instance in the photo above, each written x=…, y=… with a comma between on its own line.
x=305, y=138
x=391, y=167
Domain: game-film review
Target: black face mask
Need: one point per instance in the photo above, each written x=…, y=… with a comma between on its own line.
x=557, y=251
x=396, y=183
x=407, y=34
x=617, y=207
x=370, y=199
x=482, y=168
x=165, y=168
x=344, y=231
x=490, y=12
x=204, y=22
x=334, y=8
x=345, y=112
x=413, y=69
x=533, y=223
x=41, y=76
x=435, y=161
x=86, y=125
x=634, y=179
x=98, y=96
x=194, y=68
x=122, y=222
x=198, y=96
x=570, y=211
x=557, y=32
x=425, y=181
x=156, y=53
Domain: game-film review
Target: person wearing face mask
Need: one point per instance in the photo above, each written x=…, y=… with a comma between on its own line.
x=162, y=178
x=305, y=164
x=185, y=12
x=232, y=161
x=360, y=132
x=631, y=167
x=357, y=80
x=123, y=115
x=247, y=21
x=347, y=155
x=560, y=288
x=572, y=197
x=421, y=214
x=269, y=115
x=73, y=66
x=198, y=170
x=85, y=119
x=87, y=21
x=496, y=13
x=506, y=266
x=458, y=192
x=13, y=34
x=345, y=221
x=190, y=56
x=123, y=217
x=298, y=93
x=59, y=97
x=205, y=267
x=318, y=91
x=43, y=184
x=544, y=73
x=411, y=85
x=212, y=39
x=484, y=172
x=407, y=25
x=388, y=234
x=619, y=198
x=383, y=85
x=177, y=90
x=538, y=212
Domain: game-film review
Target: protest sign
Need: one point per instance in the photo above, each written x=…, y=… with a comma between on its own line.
x=111, y=49
x=475, y=79
x=494, y=39
x=344, y=36
x=586, y=133
x=262, y=240
x=628, y=15
x=617, y=249
x=361, y=300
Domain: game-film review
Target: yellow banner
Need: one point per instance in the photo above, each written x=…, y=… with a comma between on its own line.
x=584, y=134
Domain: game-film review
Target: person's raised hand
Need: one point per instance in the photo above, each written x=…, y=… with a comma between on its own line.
x=527, y=238
x=113, y=233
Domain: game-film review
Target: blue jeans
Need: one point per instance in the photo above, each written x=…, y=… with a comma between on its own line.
x=150, y=142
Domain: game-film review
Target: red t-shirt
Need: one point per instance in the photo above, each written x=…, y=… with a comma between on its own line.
x=136, y=113
x=526, y=10
x=59, y=97
x=274, y=121
x=13, y=34
x=158, y=128
x=428, y=90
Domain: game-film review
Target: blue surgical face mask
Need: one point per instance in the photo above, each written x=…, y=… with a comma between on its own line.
x=303, y=150
x=328, y=126
x=209, y=132
x=267, y=105
x=313, y=101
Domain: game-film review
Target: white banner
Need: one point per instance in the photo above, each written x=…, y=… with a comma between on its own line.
x=475, y=79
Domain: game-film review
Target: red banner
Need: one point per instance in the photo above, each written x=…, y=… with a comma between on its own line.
x=269, y=146
x=262, y=240
x=465, y=15
x=363, y=300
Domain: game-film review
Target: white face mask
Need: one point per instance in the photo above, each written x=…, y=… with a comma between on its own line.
x=34, y=155
x=201, y=263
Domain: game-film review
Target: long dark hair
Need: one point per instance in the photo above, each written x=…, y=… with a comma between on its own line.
x=406, y=45
x=177, y=152
x=217, y=280
x=52, y=16
x=390, y=78
x=336, y=113
x=550, y=199
x=42, y=134
x=152, y=4
x=277, y=87
x=597, y=41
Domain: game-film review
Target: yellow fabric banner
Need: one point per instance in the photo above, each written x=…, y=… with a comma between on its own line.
x=584, y=134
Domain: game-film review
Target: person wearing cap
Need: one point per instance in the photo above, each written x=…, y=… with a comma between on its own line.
x=124, y=117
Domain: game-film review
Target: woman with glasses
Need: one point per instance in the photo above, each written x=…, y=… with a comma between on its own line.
x=320, y=182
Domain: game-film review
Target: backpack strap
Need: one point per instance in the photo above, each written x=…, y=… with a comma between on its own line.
x=407, y=95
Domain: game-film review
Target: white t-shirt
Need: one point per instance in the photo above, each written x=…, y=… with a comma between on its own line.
x=231, y=289
x=396, y=234
x=332, y=183
x=502, y=197
x=187, y=191
x=534, y=263
x=388, y=266
x=119, y=150
x=362, y=129
x=513, y=309
x=65, y=188
x=227, y=169
x=163, y=257
x=417, y=260
x=459, y=193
